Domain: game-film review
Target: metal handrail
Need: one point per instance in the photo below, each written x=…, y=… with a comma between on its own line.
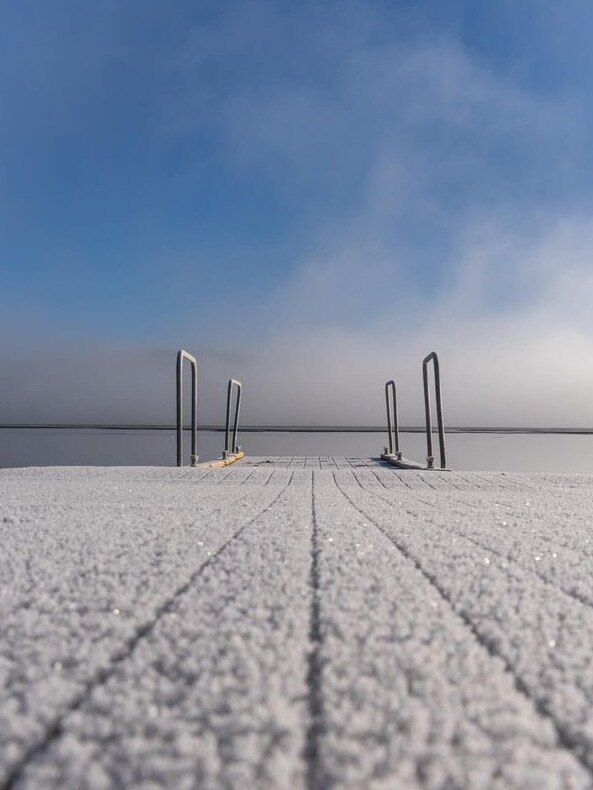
x=392, y=423
x=181, y=356
x=439, y=404
x=228, y=450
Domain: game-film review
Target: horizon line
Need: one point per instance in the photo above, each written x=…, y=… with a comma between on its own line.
x=299, y=428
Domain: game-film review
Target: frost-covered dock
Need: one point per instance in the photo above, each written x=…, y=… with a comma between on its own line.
x=295, y=623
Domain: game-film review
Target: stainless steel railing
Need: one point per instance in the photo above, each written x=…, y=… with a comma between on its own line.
x=392, y=422
x=432, y=357
x=392, y=454
x=181, y=356
x=231, y=449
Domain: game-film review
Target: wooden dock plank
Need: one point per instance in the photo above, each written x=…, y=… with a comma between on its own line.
x=295, y=622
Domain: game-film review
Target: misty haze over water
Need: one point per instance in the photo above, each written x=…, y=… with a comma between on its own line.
x=495, y=450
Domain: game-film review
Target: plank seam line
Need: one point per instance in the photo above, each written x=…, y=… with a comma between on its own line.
x=489, y=484
x=403, y=481
x=355, y=476
x=427, y=484
x=469, y=482
x=175, y=477
x=480, y=509
x=103, y=674
x=146, y=541
x=191, y=472
x=564, y=738
x=513, y=515
x=506, y=506
x=499, y=486
x=452, y=531
x=450, y=482
x=314, y=777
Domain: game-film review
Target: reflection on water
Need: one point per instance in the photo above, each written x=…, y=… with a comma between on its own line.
x=486, y=451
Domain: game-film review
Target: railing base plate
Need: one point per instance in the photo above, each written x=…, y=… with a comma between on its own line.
x=405, y=463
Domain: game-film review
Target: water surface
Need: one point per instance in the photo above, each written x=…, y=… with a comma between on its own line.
x=522, y=452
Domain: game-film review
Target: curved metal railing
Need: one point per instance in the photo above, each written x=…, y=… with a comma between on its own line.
x=392, y=422
x=432, y=357
x=181, y=356
x=234, y=448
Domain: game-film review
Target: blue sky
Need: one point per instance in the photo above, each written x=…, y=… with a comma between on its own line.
x=332, y=187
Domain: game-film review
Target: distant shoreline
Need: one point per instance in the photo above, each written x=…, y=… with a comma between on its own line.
x=300, y=428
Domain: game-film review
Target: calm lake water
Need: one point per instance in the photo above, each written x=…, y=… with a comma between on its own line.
x=101, y=447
